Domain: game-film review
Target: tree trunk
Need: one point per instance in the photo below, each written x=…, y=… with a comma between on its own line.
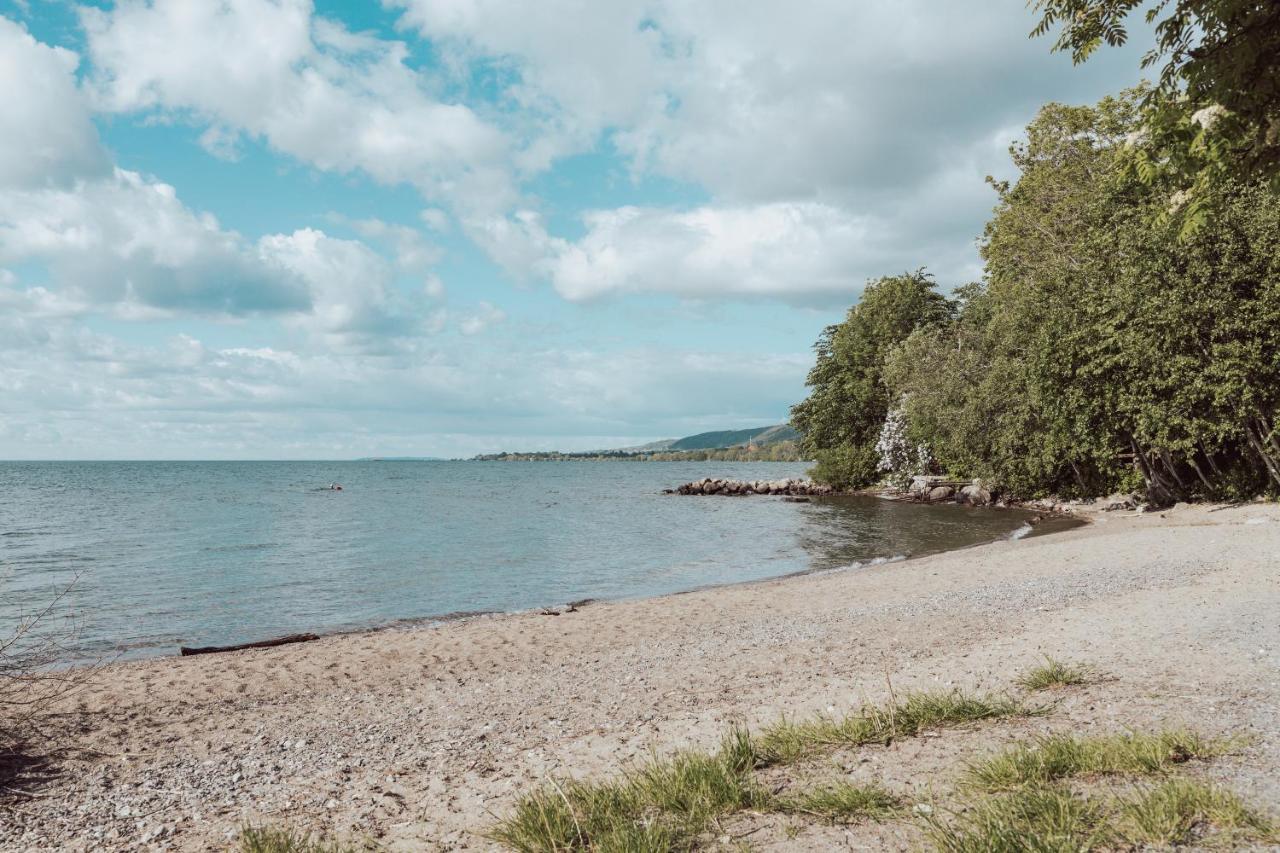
x=1075, y=469
x=1194, y=467
x=1208, y=457
x=261, y=644
x=1270, y=464
x=1172, y=469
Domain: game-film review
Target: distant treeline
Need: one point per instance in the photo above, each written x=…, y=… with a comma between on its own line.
x=782, y=451
x=1106, y=348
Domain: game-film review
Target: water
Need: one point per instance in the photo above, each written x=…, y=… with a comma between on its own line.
x=196, y=553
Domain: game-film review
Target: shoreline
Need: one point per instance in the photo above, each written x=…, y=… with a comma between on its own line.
x=431, y=622
x=420, y=736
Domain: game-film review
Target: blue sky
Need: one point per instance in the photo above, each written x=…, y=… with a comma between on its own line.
x=273, y=229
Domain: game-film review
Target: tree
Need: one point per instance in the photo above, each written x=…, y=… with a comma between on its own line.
x=1214, y=112
x=841, y=420
x=1103, y=351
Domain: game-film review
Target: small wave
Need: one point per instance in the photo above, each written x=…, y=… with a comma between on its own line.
x=1021, y=533
x=254, y=546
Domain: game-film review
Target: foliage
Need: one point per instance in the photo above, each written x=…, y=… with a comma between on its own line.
x=1214, y=112
x=1103, y=351
x=841, y=420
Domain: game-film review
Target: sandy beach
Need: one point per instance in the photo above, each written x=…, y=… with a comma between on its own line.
x=420, y=738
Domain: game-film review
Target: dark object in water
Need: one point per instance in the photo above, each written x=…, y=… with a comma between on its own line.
x=186, y=651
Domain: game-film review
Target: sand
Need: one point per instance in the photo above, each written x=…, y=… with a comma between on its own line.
x=419, y=737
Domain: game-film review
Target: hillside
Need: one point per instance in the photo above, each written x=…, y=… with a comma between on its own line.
x=724, y=438
x=776, y=442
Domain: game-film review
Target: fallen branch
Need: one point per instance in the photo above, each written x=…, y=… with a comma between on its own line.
x=261, y=644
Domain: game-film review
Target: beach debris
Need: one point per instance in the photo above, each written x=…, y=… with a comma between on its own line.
x=186, y=651
x=793, y=486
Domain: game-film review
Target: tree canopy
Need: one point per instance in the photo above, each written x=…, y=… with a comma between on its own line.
x=1102, y=351
x=1213, y=113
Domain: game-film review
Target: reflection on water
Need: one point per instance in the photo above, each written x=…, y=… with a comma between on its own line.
x=210, y=553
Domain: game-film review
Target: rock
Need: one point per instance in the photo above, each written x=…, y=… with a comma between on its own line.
x=940, y=493
x=975, y=495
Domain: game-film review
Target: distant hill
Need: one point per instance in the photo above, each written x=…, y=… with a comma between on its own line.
x=767, y=443
x=758, y=436
x=735, y=438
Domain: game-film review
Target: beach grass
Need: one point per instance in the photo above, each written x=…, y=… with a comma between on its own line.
x=1054, y=673
x=1059, y=756
x=1051, y=818
x=842, y=802
x=789, y=740
x=1172, y=811
x=663, y=805
x=1044, y=819
x=269, y=839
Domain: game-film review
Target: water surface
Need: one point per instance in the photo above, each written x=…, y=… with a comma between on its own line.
x=200, y=553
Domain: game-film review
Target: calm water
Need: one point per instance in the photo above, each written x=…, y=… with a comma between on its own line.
x=171, y=553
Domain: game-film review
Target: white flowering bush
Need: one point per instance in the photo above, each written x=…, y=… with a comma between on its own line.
x=898, y=458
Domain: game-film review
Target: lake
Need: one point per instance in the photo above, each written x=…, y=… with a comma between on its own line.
x=164, y=554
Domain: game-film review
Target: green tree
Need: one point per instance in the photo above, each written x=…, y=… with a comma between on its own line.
x=841, y=419
x=1102, y=347
x=1214, y=111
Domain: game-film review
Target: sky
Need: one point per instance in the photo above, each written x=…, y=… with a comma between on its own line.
x=279, y=229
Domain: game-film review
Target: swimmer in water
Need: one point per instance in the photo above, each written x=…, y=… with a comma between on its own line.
x=335, y=487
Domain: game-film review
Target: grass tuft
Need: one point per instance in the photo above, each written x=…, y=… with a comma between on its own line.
x=843, y=802
x=1169, y=813
x=268, y=839
x=1054, y=673
x=1059, y=756
x=787, y=740
x=1043, y=819
x=664, y=805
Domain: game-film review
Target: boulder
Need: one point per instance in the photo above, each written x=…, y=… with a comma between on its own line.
x=940, y=493
x=975, y=495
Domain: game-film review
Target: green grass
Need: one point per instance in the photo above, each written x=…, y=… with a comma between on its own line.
x=842, y=802
x=664, y=805
x=788, y=740
x=276, y=840
x=1173, y=811
x=1054, y=673
x=1036, y=819
x=1053, y=819
x=1060, y=756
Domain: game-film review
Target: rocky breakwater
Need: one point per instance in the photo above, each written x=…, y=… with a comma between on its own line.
x=792, y=488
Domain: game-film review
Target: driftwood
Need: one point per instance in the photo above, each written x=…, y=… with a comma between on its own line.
x=261, y=644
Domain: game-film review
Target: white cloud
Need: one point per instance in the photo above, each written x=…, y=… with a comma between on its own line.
x=879, y=114
x=127, y=240
x=338, y=100
x=46, y=136
x=486, y=315
x=787, y=250
x=115, y=241
x=69, y=392
x=353, y=300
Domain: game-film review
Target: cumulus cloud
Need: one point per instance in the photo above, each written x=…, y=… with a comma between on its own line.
x=116, y=241
x=794, y=250
x=127, y=240
x=334, y=99
x=46, y=136
x=880, y=114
